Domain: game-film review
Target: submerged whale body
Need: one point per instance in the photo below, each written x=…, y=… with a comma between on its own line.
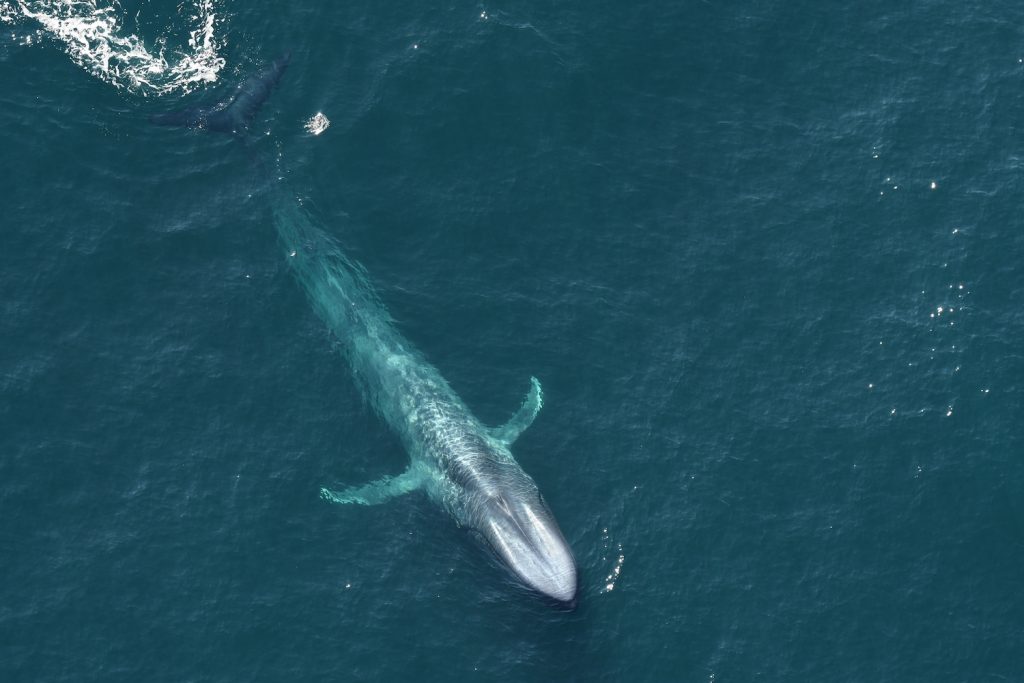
x=235, y=113
x=463, y=466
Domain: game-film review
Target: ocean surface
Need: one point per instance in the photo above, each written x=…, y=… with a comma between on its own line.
x=765, y=258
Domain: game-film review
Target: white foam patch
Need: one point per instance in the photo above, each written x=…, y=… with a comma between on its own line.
x=93, y=37
x=317, y=124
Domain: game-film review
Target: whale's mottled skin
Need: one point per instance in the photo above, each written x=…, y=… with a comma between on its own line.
x=462, y=465
x=236, y=113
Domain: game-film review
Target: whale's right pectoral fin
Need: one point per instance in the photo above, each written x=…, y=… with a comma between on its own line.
x=510, y=431
x=379, y=491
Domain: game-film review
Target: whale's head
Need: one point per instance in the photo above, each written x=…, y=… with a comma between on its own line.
x=518, y=526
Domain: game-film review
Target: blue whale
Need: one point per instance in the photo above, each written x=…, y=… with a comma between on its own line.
x=464, y=467
x=235, y=114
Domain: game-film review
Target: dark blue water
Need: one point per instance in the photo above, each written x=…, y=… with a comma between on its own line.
x=765, y=258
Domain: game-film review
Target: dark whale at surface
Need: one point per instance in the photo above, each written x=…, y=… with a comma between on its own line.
x=235, y=114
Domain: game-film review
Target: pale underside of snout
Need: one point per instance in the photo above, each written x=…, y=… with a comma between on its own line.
x=526, y=538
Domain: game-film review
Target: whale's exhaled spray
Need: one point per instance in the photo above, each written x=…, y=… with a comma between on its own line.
x=462, y=465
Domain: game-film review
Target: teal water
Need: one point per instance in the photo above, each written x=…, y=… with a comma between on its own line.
x=721, y=236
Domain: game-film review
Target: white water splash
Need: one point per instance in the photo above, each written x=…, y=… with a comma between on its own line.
x=616, y=570
x=317, y=124
x=93, y=37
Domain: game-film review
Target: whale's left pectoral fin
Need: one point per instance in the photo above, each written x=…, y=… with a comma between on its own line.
x=510, y=431
x=379, y=491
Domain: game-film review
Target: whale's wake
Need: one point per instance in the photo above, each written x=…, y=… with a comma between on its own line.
x=93, y=36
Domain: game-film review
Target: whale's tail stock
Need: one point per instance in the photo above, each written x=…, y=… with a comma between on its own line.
x=235, y=113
